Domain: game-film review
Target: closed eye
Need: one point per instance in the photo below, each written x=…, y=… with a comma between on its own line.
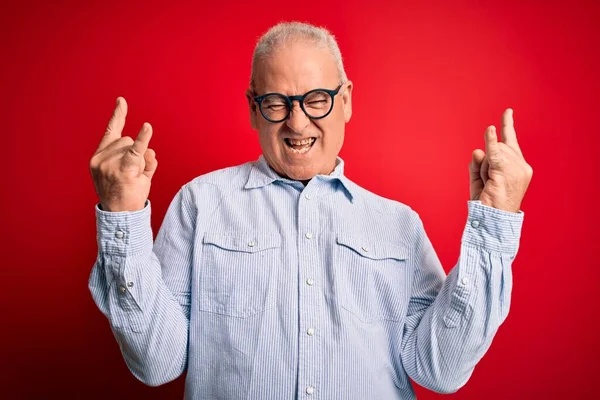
x=276, y=107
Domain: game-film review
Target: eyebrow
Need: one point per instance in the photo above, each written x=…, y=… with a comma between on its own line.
x=295, y=94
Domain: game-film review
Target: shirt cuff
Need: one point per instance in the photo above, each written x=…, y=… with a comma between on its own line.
x=125, y=232
x=493, y=229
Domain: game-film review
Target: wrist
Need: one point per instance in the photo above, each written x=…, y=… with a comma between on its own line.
x=502, y=206
x=121, y=207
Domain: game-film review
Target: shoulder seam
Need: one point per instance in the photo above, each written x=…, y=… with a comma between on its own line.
x=224, y=191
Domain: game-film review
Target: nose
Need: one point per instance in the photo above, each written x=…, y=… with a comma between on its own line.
x=297, y=120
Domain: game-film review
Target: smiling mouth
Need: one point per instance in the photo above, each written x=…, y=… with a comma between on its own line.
x=300, y=146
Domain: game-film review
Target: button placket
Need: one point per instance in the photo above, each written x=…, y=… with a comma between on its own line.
x=309, y=306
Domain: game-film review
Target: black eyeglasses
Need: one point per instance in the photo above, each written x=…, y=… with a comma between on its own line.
x=316, y=104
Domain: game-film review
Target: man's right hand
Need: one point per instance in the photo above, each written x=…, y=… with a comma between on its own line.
x=122, y=168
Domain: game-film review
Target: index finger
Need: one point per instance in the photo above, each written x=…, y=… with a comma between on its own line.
x=509, y=135
x=115, y=125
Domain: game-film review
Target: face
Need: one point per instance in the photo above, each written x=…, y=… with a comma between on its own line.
x=300, y=148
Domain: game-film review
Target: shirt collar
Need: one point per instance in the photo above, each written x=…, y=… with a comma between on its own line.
x=262, y=175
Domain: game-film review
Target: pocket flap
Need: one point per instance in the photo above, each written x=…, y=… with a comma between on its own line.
x=245, y=242
x=375, y=250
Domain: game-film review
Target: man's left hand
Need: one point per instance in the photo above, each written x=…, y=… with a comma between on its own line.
x=500, y=175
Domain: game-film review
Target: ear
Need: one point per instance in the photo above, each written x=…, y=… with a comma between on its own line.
x=253, y=108
x=347, y=101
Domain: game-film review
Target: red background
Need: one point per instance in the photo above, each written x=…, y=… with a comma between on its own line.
x=428, y=79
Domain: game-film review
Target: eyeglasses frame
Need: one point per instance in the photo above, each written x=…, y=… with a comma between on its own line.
x=300, y=99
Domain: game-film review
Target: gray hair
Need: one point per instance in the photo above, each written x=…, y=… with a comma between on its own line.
x=285, y=31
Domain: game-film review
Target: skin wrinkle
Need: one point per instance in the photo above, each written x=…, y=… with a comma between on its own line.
x=296, y=67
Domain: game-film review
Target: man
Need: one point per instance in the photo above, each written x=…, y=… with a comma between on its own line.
x=281, y=278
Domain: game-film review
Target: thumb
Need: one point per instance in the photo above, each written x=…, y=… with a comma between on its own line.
x=475, y=164
x=151, y=163
x=485, y=168
x=141, y=141
x=137, y=151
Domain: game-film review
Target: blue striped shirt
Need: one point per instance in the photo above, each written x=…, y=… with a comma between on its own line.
x=262, y=288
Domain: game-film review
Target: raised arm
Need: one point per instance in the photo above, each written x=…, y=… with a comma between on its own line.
x=140, y=286
x=451, y=321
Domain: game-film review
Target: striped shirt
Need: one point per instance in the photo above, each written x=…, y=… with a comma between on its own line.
x=262, y=288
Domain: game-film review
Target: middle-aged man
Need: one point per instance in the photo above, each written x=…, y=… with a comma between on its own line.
x=283, y=279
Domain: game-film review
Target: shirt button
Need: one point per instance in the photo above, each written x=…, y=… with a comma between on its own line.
x=310, y=390
x=310, y=331
x=251, y=244
x=119, y=234
x=465, y=281
x=310, y=282
x=129, y=284
x=307, y=196
x=122, y=289
x=309, y=235
x=475, y=223
x=365, y=249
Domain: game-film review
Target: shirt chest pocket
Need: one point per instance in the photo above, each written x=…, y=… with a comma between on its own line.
x=372, y=278
x=237, y=275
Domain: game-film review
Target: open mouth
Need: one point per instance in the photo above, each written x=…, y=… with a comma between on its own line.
x=300, y=146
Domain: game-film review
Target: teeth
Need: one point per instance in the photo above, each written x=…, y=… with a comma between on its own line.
x=300, y=151
x=301, y=142
x=299, y=146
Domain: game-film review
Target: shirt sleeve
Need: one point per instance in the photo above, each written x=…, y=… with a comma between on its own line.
x=452, y=320
x=143, y=288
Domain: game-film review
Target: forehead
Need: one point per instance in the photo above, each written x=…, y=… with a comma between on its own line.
x=295, y=68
